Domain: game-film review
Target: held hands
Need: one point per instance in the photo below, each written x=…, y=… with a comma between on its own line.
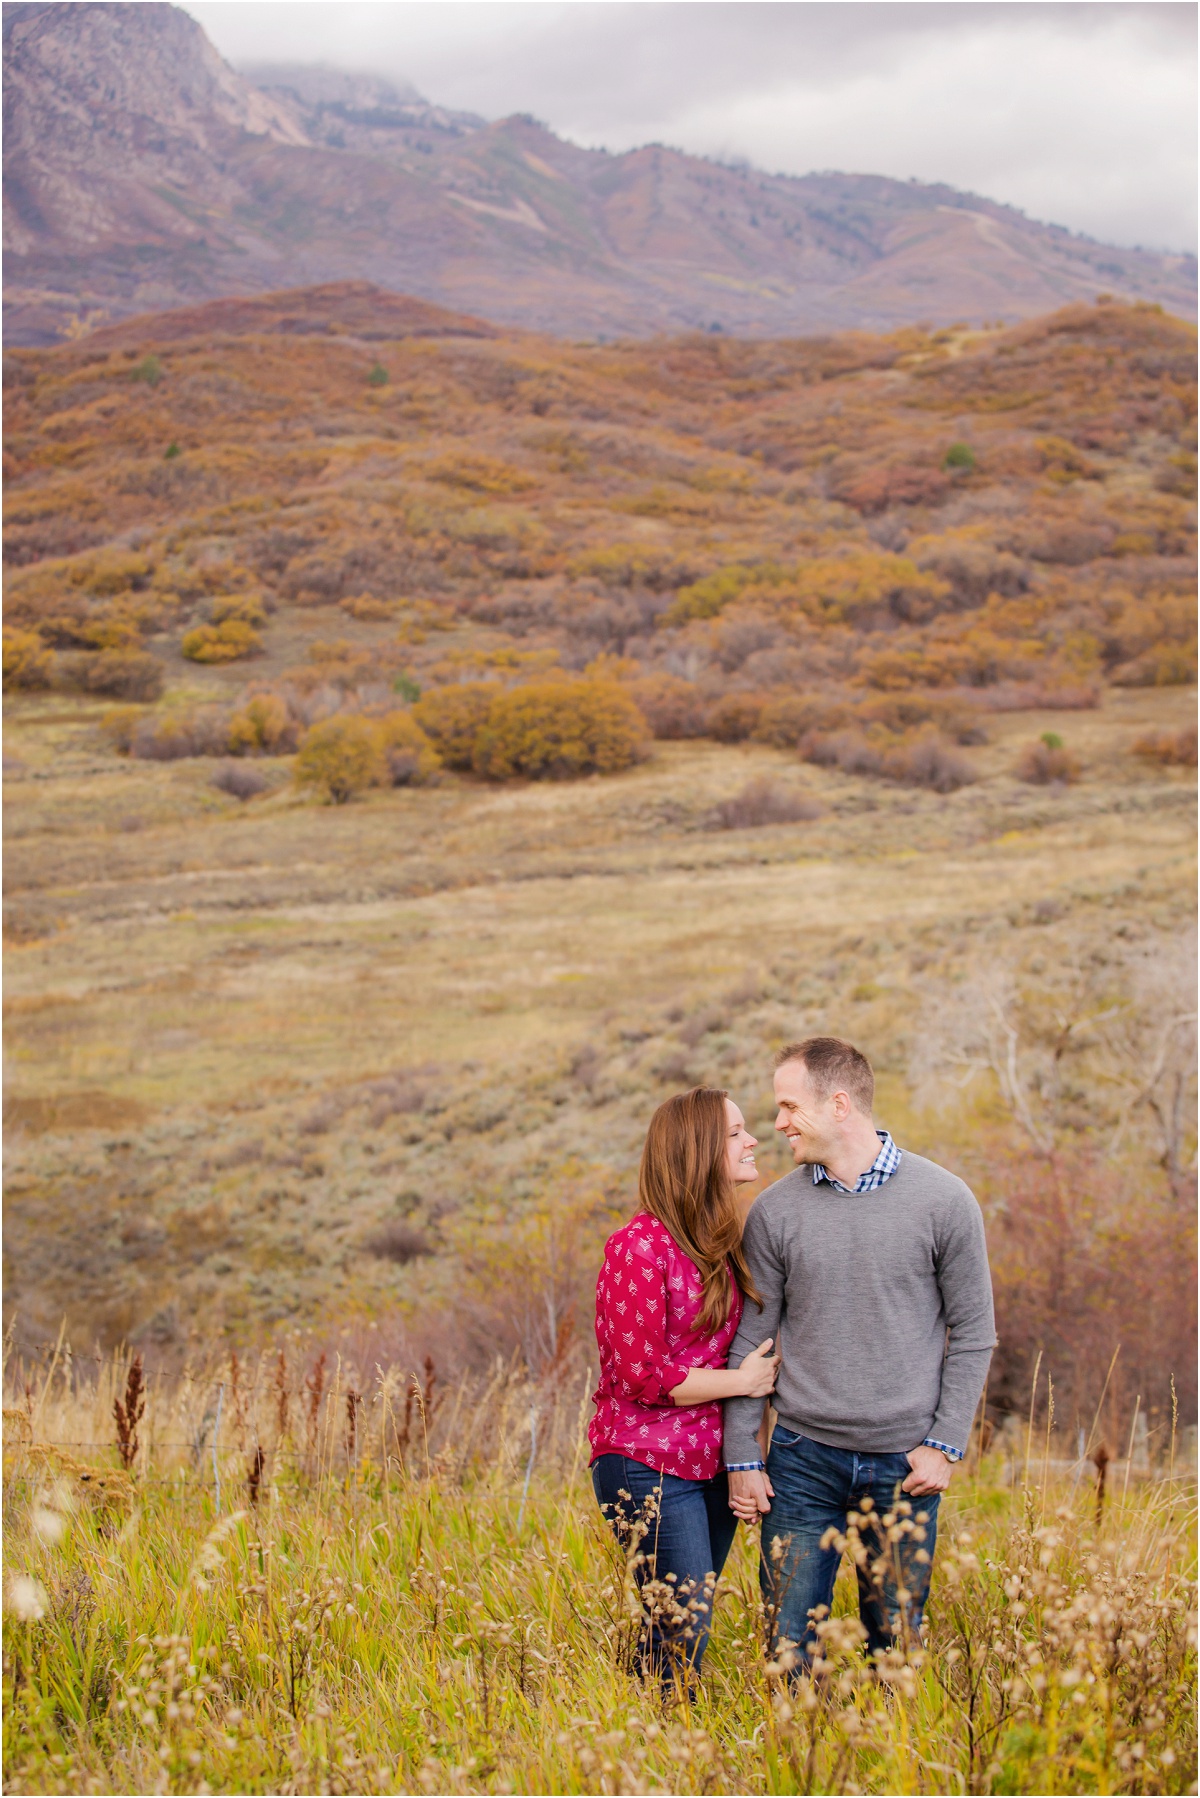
x=759, y=1370
x=750, y=1495
x=930, y=1472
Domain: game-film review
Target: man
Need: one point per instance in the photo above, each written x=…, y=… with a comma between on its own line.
x=873, y=1272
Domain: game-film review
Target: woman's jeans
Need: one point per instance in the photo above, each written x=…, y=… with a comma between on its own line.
x=815, y=1489
x=688, y=1532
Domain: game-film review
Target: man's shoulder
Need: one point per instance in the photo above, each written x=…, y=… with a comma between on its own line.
x=932, y=1180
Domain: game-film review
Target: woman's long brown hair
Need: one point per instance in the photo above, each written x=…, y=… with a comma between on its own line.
x=684, y=1182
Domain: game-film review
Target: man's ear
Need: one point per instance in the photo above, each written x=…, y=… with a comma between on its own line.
x=841, y=1107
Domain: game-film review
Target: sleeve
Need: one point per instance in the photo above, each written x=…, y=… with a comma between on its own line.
x=744, y=1415
x=966, y=1287
x=632, y=1298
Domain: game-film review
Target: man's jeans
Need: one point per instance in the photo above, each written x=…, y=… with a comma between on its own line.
x=815, y=1489
x=689, y=1530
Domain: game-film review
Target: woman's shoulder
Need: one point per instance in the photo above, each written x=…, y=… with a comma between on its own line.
x=643, y=1238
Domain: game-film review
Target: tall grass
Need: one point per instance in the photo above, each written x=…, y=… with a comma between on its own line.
x=399, y=1589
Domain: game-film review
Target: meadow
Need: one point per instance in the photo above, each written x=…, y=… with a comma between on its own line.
x=410, y=1590
x=322, y=1094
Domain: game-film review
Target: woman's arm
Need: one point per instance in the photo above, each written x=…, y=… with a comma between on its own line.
x=755, y=1378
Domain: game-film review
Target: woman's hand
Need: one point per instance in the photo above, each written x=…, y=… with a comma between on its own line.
x=759, y=1371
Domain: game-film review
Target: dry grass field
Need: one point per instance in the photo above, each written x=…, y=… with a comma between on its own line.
x=245, y=1039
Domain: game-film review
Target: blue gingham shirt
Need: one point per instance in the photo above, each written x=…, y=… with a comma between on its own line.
x=880, y=1170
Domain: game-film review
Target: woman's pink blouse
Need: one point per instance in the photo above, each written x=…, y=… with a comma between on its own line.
x=647, y=1298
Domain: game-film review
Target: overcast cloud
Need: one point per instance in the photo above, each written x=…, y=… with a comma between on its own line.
x=1081, y=114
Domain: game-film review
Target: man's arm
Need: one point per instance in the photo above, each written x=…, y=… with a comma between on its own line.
x=966, y=1287
x=743, y=1416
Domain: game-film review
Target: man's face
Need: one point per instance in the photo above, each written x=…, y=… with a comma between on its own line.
x=807, y=1120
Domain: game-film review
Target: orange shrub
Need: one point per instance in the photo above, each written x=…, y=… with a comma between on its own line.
x=735, y=716
x=118, y=673
x=557, y=729
x=409, y=757
x=262, y=726
x=1048, y=762
x=1173, y=748
x=672, y=707
x=27, y=661
x=452, y=718
x=246, y=608
x=227, y=642
x=339, y=757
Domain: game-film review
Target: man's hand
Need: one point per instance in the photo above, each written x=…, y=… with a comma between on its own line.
x=750, y=1495
x=930, y=1472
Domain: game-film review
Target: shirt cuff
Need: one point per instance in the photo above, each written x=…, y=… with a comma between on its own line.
x=745, y=1467
x=951, y=1454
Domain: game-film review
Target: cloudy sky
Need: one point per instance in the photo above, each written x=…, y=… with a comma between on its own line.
x=1083, y=114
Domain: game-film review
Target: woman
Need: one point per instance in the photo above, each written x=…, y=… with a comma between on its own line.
x=668, y=1304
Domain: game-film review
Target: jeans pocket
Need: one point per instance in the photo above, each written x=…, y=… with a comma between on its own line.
x=785, y=1438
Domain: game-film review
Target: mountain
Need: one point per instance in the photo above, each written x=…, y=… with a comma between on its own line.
x=142, y=172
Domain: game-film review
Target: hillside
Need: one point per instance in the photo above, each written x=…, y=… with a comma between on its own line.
x=141, y=171
x=277, y=1063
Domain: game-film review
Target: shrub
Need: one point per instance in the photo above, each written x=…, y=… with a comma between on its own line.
x=1047, y=762
x=27, y=662
x=928, y=760
x=378, y=376
x=227, y=642
x=763, y=801
x=340, y=757
x=263, y=726
x=558, y=729
x=149, y=369
x=452, y=718
x=176, y=735
x=671, y=706
x=240, y=780
x=735, y=716
x=407, y=687
x=409, y=757
x=1163, y=665
x=959, y=455
x=397, y=1241
x=120, y=674
x=119, y=725
x=244, y=608
x=1171, y=748
x=785, y=721
x=848, y=750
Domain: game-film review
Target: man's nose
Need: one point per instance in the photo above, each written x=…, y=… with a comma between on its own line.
x=781, y=1122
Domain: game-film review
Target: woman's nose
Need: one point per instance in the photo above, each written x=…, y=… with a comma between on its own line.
x=751, y=1141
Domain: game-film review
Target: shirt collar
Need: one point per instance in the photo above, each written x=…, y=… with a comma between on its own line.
x=881, y=1169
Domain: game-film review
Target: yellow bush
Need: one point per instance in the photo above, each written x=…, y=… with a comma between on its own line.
x=339, y=757
x=227, y=642
x=409, y=757
x=557, y=729
x=262, y=726
x=246, y=608
x=479, y=474
x=27, y=661
x=119, y=725
x=452, y=718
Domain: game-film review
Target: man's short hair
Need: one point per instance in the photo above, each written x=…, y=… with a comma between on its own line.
x=834, y=1066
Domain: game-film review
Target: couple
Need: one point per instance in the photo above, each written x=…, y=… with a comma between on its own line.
x=867, y=1268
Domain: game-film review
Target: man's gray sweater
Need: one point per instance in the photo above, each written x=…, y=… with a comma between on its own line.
x=880, y=1304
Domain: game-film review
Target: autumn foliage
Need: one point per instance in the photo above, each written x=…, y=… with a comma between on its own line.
x=985, y=519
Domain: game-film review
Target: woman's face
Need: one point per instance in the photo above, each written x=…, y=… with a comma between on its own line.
x=740, y=1146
